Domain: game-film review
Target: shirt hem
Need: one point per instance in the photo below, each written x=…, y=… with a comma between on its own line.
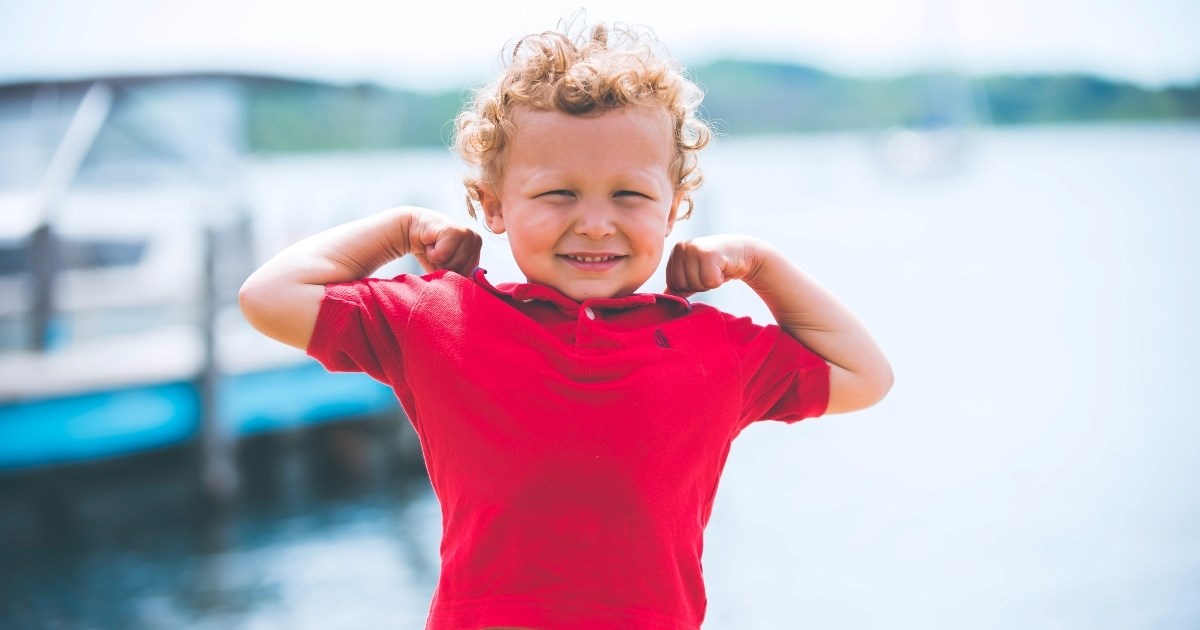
x=548, y=614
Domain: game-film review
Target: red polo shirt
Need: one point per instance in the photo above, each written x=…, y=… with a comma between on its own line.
x=575, y=448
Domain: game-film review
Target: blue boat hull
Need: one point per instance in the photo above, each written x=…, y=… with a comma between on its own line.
x=100, y=425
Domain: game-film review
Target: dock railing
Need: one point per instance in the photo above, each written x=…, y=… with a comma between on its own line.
x=122, y=369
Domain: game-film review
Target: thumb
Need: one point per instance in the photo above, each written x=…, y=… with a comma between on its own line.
x=683, y=294
x=440, y=250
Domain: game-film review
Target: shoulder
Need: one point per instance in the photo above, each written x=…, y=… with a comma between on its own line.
x=736, y=327
x=441, y=295
x=756, y=341
x=401, y=289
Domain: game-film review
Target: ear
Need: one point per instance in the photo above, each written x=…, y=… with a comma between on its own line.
x=674, y=214
x=493, y=217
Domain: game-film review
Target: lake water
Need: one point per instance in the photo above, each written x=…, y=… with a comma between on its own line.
x=1034, y=467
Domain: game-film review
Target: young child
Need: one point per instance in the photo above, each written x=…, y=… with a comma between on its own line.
x=574, y=430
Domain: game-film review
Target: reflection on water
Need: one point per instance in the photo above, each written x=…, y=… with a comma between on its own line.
x=333, y=530
x=1032, y=468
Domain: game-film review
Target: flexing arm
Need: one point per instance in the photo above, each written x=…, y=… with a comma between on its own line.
x=859, y=374
x=281, y=299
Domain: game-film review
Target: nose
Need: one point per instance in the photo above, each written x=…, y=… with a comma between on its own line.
x=595, y=220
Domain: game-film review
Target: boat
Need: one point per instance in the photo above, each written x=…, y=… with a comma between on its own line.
x=124, y=234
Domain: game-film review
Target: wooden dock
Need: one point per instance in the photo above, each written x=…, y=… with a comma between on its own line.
x=119, y=395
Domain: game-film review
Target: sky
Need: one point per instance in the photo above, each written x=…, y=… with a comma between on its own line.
x=435, y=45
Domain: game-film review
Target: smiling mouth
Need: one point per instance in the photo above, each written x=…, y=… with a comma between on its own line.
x=590, y=259
x=594, y=263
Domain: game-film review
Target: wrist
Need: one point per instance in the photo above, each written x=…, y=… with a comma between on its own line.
x=759, y=257
x=402, y=227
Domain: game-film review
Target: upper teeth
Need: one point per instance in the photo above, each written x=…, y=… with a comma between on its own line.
x=590, y=258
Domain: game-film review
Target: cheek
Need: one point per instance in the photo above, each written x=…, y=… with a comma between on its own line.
x=653, y=228
x=529, y=236
x=542, y=228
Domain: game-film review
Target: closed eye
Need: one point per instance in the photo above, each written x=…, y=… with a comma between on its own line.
x=565, y=193
x=631, y=193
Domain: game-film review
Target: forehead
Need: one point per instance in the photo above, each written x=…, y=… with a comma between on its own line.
x=636, y=134
x=653, y=117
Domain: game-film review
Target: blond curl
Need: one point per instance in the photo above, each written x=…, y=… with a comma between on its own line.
x=608, y=68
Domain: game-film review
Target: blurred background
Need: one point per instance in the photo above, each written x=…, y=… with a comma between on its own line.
x=1007, y=193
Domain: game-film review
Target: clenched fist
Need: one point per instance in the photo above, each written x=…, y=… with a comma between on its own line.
x=705, y=263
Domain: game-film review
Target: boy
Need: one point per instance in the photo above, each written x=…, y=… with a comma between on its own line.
x=574, y=430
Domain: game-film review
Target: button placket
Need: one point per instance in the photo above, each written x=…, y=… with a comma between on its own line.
x=585, y=330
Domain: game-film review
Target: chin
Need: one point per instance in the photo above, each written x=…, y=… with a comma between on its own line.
x=599, y=294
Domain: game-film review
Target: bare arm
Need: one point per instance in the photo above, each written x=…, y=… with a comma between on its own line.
x=860, y=374
x=281, y=299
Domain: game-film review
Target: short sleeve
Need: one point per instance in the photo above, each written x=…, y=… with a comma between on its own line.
x=780, y=378
x=361, y=326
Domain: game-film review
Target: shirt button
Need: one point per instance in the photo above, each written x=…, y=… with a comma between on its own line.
x=587, y=310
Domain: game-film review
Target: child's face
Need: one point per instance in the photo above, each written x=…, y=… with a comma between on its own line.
x=587, y=201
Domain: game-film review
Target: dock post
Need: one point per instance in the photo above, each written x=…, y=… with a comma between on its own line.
x=43, y=266
x=218, y=472
x=64, y=165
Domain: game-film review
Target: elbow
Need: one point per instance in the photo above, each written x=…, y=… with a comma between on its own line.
x=881, y=384
x=857, y=391
x=280, y=309
x=876, y=384
x=252, y=302
x=871, y=391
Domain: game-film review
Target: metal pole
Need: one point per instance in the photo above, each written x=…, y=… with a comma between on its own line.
x=43, y=264
x=73, y=148
x=64, y=165
x=218, y=473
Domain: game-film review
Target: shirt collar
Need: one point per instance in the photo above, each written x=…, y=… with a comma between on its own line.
x=525, y=293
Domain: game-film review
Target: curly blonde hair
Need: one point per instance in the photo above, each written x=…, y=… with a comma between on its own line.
x=605, y=69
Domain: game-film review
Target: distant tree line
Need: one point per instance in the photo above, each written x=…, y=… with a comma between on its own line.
x=743, y=97
x=287, y=115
